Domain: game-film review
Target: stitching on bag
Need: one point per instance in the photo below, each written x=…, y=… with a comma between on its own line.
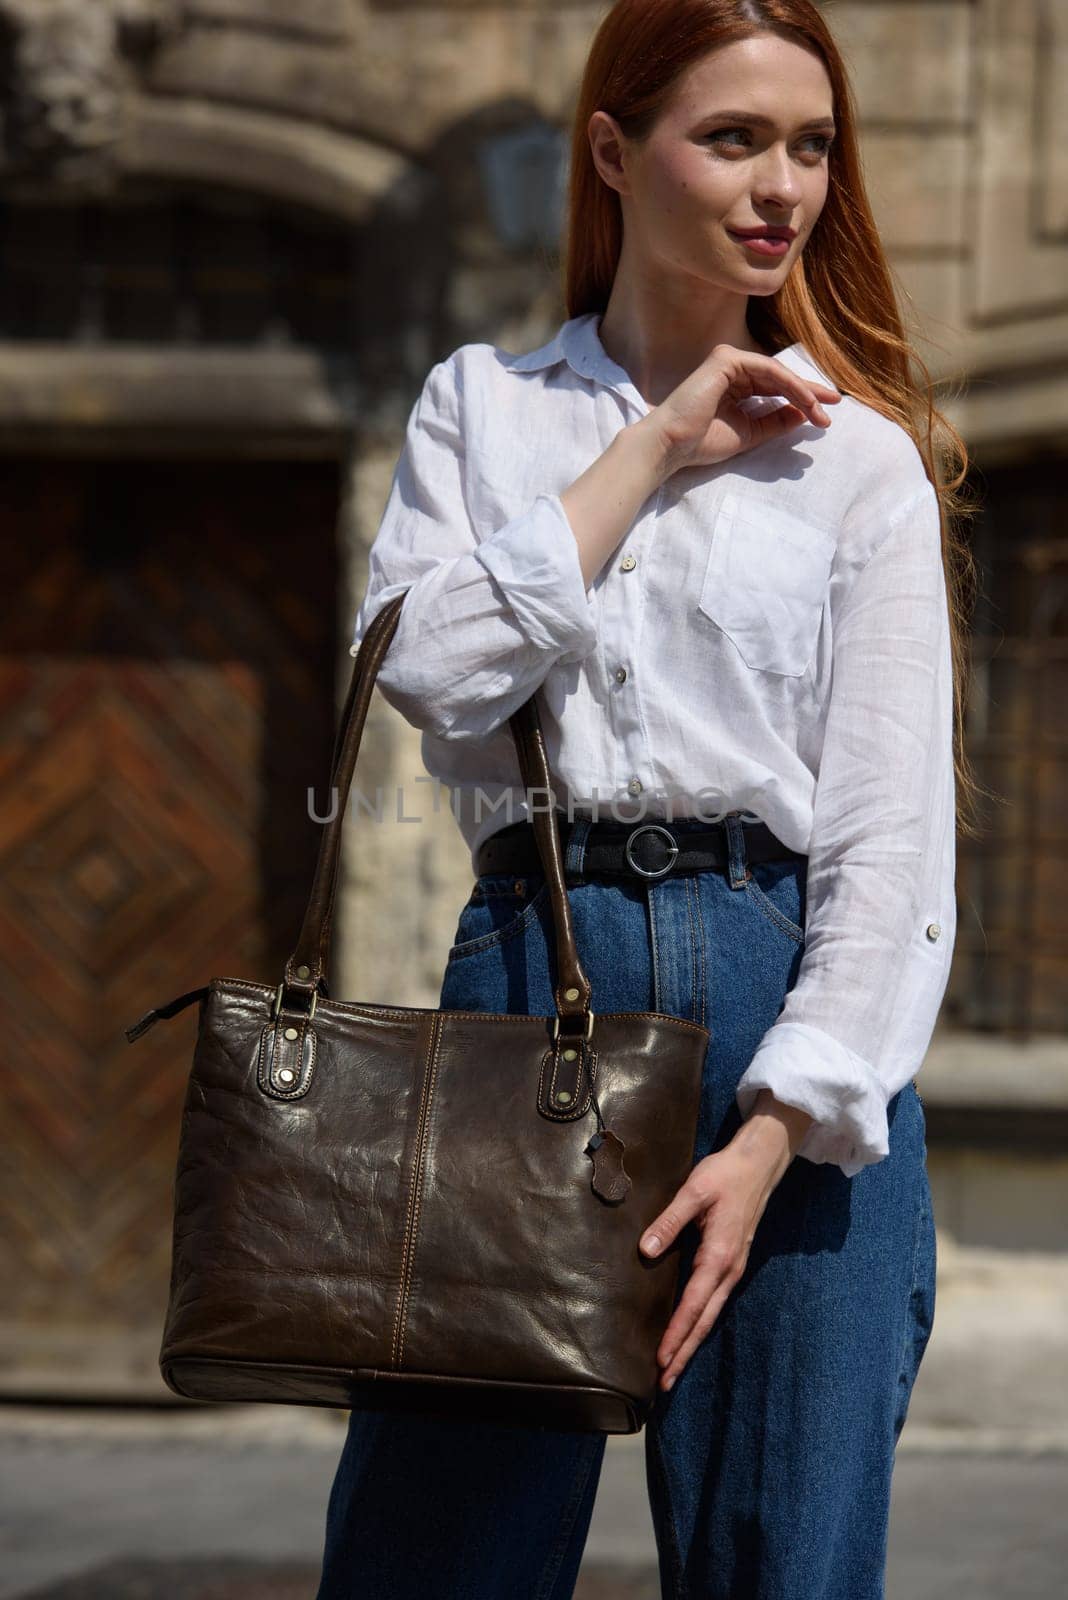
x=415, y=1195
x=435, y=1055
x=353, y=1008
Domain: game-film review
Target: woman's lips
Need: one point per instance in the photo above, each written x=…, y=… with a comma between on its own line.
x=763, y=246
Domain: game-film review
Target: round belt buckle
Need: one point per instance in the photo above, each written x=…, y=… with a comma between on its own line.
x=651, y=827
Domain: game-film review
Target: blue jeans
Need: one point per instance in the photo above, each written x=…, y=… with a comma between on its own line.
x=768, y=1465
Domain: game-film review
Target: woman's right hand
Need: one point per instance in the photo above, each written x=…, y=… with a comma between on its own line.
x=700, y=423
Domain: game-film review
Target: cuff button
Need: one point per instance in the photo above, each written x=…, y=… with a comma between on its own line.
x=933, y=930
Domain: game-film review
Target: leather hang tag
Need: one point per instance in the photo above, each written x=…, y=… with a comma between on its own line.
x=610, y=1180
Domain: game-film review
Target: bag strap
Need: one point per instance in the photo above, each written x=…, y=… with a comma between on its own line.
x=305, y=971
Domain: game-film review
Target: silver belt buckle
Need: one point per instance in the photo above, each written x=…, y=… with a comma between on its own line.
x=650, y=827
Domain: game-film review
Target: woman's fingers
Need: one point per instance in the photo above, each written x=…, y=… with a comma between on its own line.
x=704, y=1322
x=690, y=1199
x=757, y=374
x=775, y=423
x=700, y=421
x=710, y=1268
x=808, y=397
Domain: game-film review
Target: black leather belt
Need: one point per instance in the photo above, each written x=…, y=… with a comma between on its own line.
x=631, y=850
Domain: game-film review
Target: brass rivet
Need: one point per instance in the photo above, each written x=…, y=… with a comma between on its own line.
x=291, y=1033
x=286, y=1075
x=571, y=994
x=564, y=1097
x=518, y=886
x=569, y=1055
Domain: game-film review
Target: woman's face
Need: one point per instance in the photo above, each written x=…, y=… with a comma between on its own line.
x=732, y=150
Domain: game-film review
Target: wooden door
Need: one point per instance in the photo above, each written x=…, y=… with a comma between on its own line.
x=1011, y=964
x=166, y=700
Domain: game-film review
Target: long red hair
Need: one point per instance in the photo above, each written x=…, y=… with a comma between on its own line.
x=839, y=298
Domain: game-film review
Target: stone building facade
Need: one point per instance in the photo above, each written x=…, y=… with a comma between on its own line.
x=234, y=236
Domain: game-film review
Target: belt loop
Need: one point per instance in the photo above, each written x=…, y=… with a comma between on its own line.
x=575, y=854
x=737, y=870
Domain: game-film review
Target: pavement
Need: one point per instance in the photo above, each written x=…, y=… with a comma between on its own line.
x=227, y=1503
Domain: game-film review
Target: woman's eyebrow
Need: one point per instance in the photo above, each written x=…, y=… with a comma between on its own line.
x=767, y=122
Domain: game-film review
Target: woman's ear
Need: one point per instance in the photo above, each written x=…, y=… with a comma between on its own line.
x=608, y=149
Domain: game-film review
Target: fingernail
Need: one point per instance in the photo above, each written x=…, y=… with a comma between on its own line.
x=670, y=1383
x=651, y=1244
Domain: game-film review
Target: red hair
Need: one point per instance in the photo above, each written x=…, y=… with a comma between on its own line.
x=839, y=298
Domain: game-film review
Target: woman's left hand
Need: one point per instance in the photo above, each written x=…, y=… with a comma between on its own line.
x=725, y=1195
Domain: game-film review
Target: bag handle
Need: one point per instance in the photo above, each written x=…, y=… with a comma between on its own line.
x=305, y=971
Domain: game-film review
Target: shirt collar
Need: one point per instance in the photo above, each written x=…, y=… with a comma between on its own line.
x=569, y=342
x=578, y=342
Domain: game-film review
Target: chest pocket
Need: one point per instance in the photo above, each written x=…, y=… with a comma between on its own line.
x=766, y=582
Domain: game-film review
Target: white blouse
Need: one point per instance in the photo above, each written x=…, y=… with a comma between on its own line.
x=770, y=635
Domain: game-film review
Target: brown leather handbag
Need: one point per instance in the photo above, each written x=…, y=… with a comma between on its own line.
x=398, y=1206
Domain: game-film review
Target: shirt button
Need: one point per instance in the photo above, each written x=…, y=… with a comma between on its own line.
x=627, y=564
x=635, y=786
x=933, y=930
x=621, y=674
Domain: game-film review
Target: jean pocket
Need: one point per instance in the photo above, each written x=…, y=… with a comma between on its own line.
x=766, y=582
x=501, y=907
x=777, y=889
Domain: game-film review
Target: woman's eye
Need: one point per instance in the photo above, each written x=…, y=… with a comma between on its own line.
x=721, y=133
x=822, y=141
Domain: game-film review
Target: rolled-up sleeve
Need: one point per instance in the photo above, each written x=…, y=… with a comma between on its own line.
x=880, y=915
x=487, y=613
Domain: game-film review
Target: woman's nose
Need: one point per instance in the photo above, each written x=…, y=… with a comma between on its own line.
x=776, y=184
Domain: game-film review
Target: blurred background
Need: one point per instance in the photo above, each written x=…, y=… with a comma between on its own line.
x=234, y=236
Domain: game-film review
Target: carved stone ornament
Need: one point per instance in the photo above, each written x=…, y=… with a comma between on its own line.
x=64, y=64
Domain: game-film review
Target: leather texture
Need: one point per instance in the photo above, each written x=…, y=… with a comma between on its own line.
x=395, y=1206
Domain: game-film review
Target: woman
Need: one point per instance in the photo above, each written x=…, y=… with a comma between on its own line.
x=735, y=610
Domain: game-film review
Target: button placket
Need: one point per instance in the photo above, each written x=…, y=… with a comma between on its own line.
x=614, y=627
x=639, y=762
x=617, y=643
x=623, y=605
